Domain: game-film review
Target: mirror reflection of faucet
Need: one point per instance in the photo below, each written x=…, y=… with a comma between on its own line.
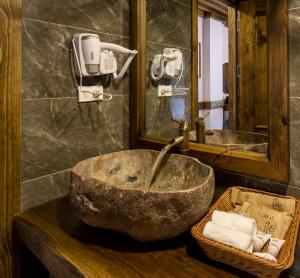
x=183, y=139
x=200, y=128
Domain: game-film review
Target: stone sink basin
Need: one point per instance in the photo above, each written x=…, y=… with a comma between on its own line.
x=235, y=140
x=109, y=191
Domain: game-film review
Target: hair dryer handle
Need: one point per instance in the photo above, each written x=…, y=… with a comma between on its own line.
x=117, y=48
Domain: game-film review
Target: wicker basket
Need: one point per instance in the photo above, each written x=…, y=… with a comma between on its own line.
x=241, y=259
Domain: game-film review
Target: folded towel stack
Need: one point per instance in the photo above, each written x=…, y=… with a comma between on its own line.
x=228, y=236
x=232, y=229
x=235, y=221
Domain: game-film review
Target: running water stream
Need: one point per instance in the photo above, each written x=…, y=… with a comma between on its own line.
x=157, y=162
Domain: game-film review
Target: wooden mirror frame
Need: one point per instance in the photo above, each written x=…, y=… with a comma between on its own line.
x=275, y=166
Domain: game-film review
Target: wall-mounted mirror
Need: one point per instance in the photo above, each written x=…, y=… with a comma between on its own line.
x=232, y=94
x=211, y=63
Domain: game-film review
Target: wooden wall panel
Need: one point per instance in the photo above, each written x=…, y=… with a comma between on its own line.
x=246, y=61
x=232, y=70
x=10, y=88
x=195, y=64
x=137, y=81
x=279, y=85
x=261, y=97
x=253, y=110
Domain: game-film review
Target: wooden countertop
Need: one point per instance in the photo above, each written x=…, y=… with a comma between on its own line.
x=69, y=248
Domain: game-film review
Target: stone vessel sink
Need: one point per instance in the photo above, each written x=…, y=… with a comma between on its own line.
x=109, y=191
x=235, y=140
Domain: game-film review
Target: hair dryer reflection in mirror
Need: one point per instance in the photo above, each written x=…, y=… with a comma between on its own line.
x=167, y=71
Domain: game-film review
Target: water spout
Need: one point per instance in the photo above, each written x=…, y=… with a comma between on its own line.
x=164, y=150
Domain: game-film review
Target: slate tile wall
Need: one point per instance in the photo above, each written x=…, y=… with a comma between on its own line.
x=294, y=64
x=57, y=132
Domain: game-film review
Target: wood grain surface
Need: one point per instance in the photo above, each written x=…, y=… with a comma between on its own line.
x=10, y=90
x=278, y=63
x=137, y=77
x=194, y=64
x=70, y=248
x=246, y=61
x=232, y=67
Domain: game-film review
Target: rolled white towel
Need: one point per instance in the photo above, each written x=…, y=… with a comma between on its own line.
x=228, y=236
x=235, y=221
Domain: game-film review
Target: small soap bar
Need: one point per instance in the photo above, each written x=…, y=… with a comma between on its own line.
x=260, y=240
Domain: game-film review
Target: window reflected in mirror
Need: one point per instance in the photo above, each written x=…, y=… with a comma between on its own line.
x=232, y=76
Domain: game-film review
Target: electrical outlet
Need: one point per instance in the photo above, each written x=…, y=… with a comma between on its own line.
x=164, y=90
x=90, y=93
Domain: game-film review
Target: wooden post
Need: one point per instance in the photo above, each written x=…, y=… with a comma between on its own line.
x=195, y=64
x=138, y=70
x=10, y=89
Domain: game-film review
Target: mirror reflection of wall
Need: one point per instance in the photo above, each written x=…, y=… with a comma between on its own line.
x=232, y=75
x=169, y=46
x=213, y=52
x=253, y=109
x=246, y=107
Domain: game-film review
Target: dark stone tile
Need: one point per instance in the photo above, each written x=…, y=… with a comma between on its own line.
x=47, y=61
x=184, y=2
x=58, y=133
x=294, y=48
x=294, y=271
x=99, y=15
x=43, y=189
x=294, y=4
x=295, y=173
x=169, y=22
x=295, y=129
x=294, y=192
x=266, y=185
x=227, y=179
x=219, y=190
x=158, y=117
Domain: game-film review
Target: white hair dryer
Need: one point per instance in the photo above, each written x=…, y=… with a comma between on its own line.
x=94, y=58
x=166, y=65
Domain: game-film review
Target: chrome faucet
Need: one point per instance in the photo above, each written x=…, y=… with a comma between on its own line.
x=183, y=139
